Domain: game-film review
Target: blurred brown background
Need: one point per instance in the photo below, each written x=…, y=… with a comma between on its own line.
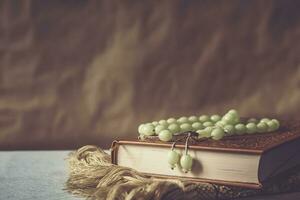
x=87, y=72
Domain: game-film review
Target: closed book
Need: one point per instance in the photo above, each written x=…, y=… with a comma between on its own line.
x=241, y=160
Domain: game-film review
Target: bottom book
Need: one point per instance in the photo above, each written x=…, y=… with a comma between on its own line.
x=285, y=186
x=92, y=173
x=275, y=187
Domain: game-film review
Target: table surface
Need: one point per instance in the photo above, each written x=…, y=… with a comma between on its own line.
x=33, y=175
x=42, y=174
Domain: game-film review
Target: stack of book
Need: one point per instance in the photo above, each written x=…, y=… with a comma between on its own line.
x=253, y=161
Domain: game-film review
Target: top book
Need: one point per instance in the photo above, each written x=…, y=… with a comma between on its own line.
x=244, y=160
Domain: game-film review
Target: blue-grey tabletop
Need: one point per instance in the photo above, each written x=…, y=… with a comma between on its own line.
x=33, y=175
x=42, y=174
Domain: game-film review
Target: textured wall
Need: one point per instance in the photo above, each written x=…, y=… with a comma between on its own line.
x=82, y=72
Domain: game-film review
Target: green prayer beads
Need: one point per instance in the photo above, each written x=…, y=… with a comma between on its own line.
x=213, y=126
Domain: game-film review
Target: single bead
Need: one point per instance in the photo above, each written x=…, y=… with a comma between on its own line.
x=209, y=129
x=229, y=118
x=233, y=112
x=262, y=127
x=265, y=120
x=186, y=162
x=207, y=124
x=251, y=128
x=197, y=126
x=140, y=129
x=240, y=129
x=171, y=120
x=182, y=120
x=159, y=128
x=142, y=137
x=276, y=122
x=174, y=128
x=229, y=129
x=155, y=123
x=217, y=133
x=203, y=133
x=185, y=127
x=235, y=115
x=165, y=135
x=173, y=158
x=163, y=122
x=221, y=124
x=193, y=119
x=272, y=126
x=204, y=118
x=215, y=118
x=148, y=129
